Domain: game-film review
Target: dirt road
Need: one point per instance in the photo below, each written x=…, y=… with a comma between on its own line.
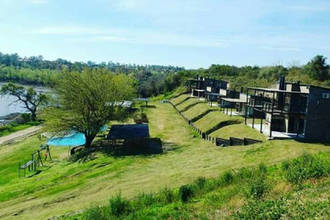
x=19, y=135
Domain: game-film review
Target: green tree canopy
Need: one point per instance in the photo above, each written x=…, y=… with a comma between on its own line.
x=28, y=96
x=317, y=68
x=88, y=100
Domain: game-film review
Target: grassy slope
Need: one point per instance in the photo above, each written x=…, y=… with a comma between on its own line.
x=213, y=118
x=234, y=191
x=64, y=186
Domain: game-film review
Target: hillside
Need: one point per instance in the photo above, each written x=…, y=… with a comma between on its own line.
x=65, y=187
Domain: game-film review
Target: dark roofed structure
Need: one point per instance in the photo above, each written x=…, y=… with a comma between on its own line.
x=128, y=132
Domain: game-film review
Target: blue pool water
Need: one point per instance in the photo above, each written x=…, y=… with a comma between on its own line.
x=73, y=139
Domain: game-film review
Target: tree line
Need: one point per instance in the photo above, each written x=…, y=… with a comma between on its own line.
x=315, y=72
x=35, y=70
x=152, y=80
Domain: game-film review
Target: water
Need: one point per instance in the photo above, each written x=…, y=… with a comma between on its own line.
x=8, y=104
x=73, y=139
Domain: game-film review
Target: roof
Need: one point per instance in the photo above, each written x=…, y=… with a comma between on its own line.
x=124, y=104
x=132, y=131
x=234, y=100
x=142, y=99
x=277, y=90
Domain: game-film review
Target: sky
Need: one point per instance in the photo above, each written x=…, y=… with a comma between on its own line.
x=187, y=33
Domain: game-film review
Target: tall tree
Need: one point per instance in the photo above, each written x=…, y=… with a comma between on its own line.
x=28, y=96
x=88, y=100
x=317, y=68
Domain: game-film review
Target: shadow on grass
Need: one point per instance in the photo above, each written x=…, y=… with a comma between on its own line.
x=202, y=115
x=187, y=98
x=221, y=125
x=306, y=141
x=148, y=106
x=146, y=147
x=190, y=106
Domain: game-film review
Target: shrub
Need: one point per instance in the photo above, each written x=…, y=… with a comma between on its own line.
x=262, y=168
x=305, y=167
x=95, y=213
x=258, y=209
x=257, y=187
x=140, y=117
x=119, y=206
x=244, y=173
x=200, y=182
x=145, y=200
x=166, y=196
x=186, y=192
x=227, y=178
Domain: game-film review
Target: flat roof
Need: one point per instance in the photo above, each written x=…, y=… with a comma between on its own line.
x=130, y=131
x=142, y=99
x=124, y=104
x=234, y=100
x=277, y=90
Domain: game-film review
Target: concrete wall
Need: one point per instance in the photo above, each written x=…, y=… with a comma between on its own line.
x=317, y=125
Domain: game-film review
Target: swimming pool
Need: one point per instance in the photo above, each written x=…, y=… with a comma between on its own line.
x=72, y=139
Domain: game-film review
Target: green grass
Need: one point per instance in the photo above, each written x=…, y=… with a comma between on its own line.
x=238, y=131
x=187, y=103
x=197, y=110
x=260, y=192
x=214, y=118
x=64, y=187
x=179, y=99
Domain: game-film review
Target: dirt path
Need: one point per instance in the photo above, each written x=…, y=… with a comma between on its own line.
x=19, y=135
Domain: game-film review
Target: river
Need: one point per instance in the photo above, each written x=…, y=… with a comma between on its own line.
x=8, y=104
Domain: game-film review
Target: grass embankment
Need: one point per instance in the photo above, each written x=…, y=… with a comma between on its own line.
x=288, y=190
x=64, y=187
x=229, y=126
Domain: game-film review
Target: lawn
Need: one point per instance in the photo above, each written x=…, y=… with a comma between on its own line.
x=63, y=187
x=179, y=99
x=197, y=110
x=188, y=104
x=214, y=118
x=238, y=131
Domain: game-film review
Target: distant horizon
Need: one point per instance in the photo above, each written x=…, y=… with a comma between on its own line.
x=150, y=64
x=191, y=34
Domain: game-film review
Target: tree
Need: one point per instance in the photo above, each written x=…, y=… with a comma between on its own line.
x=88, y=100
x=317, y=68
x=31, y=99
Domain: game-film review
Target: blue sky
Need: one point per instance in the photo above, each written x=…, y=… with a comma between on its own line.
x=189, y=33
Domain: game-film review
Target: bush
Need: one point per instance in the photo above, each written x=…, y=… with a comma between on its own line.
x=200, y=182
x=186, y=192
x=145, y=200
x=140, y=118
x=258, y=209
x=227, y=178
x=305, y=167
x=95, y=213
x=257, y=187
x=119, y=206
x=166, y=196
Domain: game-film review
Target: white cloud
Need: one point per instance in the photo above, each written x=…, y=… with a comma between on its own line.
x=131, y=36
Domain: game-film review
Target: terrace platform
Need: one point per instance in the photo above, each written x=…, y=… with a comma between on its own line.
x=277, y=134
